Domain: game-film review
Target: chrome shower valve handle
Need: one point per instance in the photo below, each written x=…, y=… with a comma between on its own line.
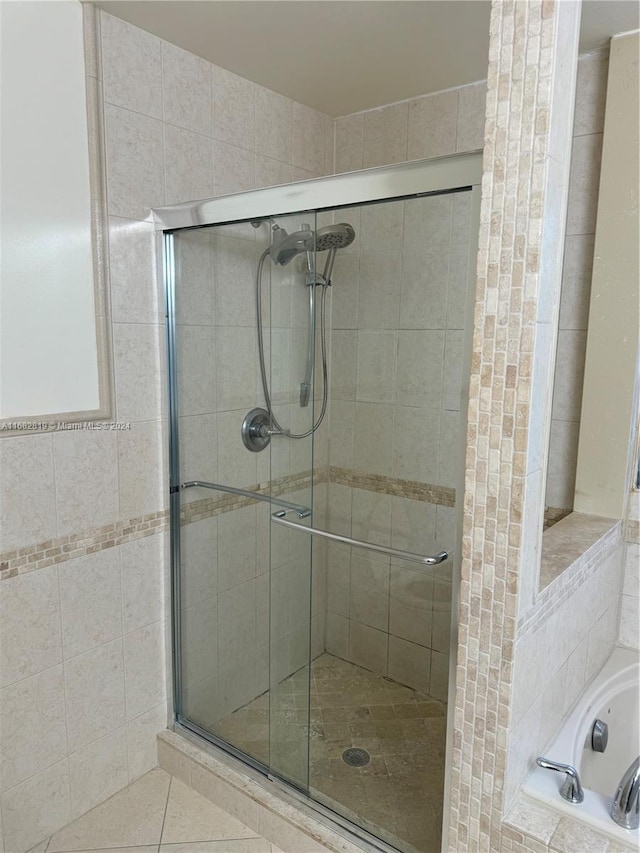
x=571, y=789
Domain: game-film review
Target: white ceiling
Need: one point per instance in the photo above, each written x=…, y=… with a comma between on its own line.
x=343, y=56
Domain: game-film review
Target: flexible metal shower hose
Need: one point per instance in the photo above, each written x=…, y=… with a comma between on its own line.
x=276, y=428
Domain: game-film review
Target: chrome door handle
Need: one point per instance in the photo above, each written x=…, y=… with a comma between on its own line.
x=279, y=517
x=302, y=511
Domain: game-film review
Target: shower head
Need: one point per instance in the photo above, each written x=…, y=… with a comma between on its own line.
x=285, y=247
x=334, y=236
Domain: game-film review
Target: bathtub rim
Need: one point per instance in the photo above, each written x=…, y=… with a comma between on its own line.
x=620, y=670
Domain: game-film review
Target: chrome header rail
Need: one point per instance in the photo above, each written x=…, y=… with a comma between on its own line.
x=279, y=517
x=302, y=511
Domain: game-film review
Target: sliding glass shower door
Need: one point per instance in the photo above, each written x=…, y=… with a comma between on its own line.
x=318, y=366
x=244, y=589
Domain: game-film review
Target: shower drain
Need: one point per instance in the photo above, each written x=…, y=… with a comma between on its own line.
x=356, y=757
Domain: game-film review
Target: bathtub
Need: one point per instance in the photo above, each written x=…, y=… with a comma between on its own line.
x=613, y=698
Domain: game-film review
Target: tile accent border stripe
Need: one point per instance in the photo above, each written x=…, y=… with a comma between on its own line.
x=413, y=489
x=63, y=548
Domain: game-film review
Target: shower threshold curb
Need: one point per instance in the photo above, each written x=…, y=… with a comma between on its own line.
x=262, y=804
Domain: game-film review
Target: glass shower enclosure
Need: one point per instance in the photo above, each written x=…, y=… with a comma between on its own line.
x=318, y=358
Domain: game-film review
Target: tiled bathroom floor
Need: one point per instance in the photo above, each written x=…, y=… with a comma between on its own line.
x=398, y=794
x=156, y=814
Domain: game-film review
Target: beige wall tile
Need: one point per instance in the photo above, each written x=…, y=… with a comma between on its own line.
x=420, y=368
x=98, y=771
x=379, y=291
x=86, y=472
x=233, y=169
x=471, y=117
x=629, y=622
x=561, y=465
x=349, y=143
x=413, y=525
x=142, y=567
x=376, y=370
x=272, y=173
x=274, y=125
x=91, y=601
x=186, y=85
x=372, y=451
x=236, y=547
x=368, y=647
x=410, y=604
x=344, y=297
x=36, y=808
x=199, y=561
x=309, y=139
x=30, y=627
x=135, y=296
x=385, y=136
x=236, y=625
x=343, y=364
x=432, y=125
x=131, y=67
x=369, y=597
x=137, y=371
x=576, y=281
x=28, y=508
x=94, y=689
x=34, y=734
x=233, y=108
x=409, y=664
x=235, y=270
x=237, y=685
x=337, y=635
x=196, y=356
x=371, y=517
x=188, y=165
x=236, y=464
x=135, y=163
x=342, y=433
x=585, y=175
x=194, y=253
x=416, y=459
x=141, y=462
x=142, y=732
x=236, y=358
x=591, y=94
x=439, y=681
x=338, y=578
x=449, y=449
x=569, y=375
x=144, y=668
x=199, y=632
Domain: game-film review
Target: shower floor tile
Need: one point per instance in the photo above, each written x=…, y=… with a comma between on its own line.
x=398, y=795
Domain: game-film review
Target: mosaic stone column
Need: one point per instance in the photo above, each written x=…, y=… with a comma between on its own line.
x=531, y=84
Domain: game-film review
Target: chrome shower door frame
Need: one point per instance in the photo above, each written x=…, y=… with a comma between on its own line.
x=442, y=175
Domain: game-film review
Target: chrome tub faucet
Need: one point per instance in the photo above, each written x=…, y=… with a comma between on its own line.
x=627, y=799
x=571, y=789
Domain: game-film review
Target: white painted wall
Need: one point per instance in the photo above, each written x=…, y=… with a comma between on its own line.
x=48, y=352
x=611, y=366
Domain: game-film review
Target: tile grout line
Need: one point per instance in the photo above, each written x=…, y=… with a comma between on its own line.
x=166, y=808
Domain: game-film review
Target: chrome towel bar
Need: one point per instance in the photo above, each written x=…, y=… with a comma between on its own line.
x=302, y=511
x=279, y=518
